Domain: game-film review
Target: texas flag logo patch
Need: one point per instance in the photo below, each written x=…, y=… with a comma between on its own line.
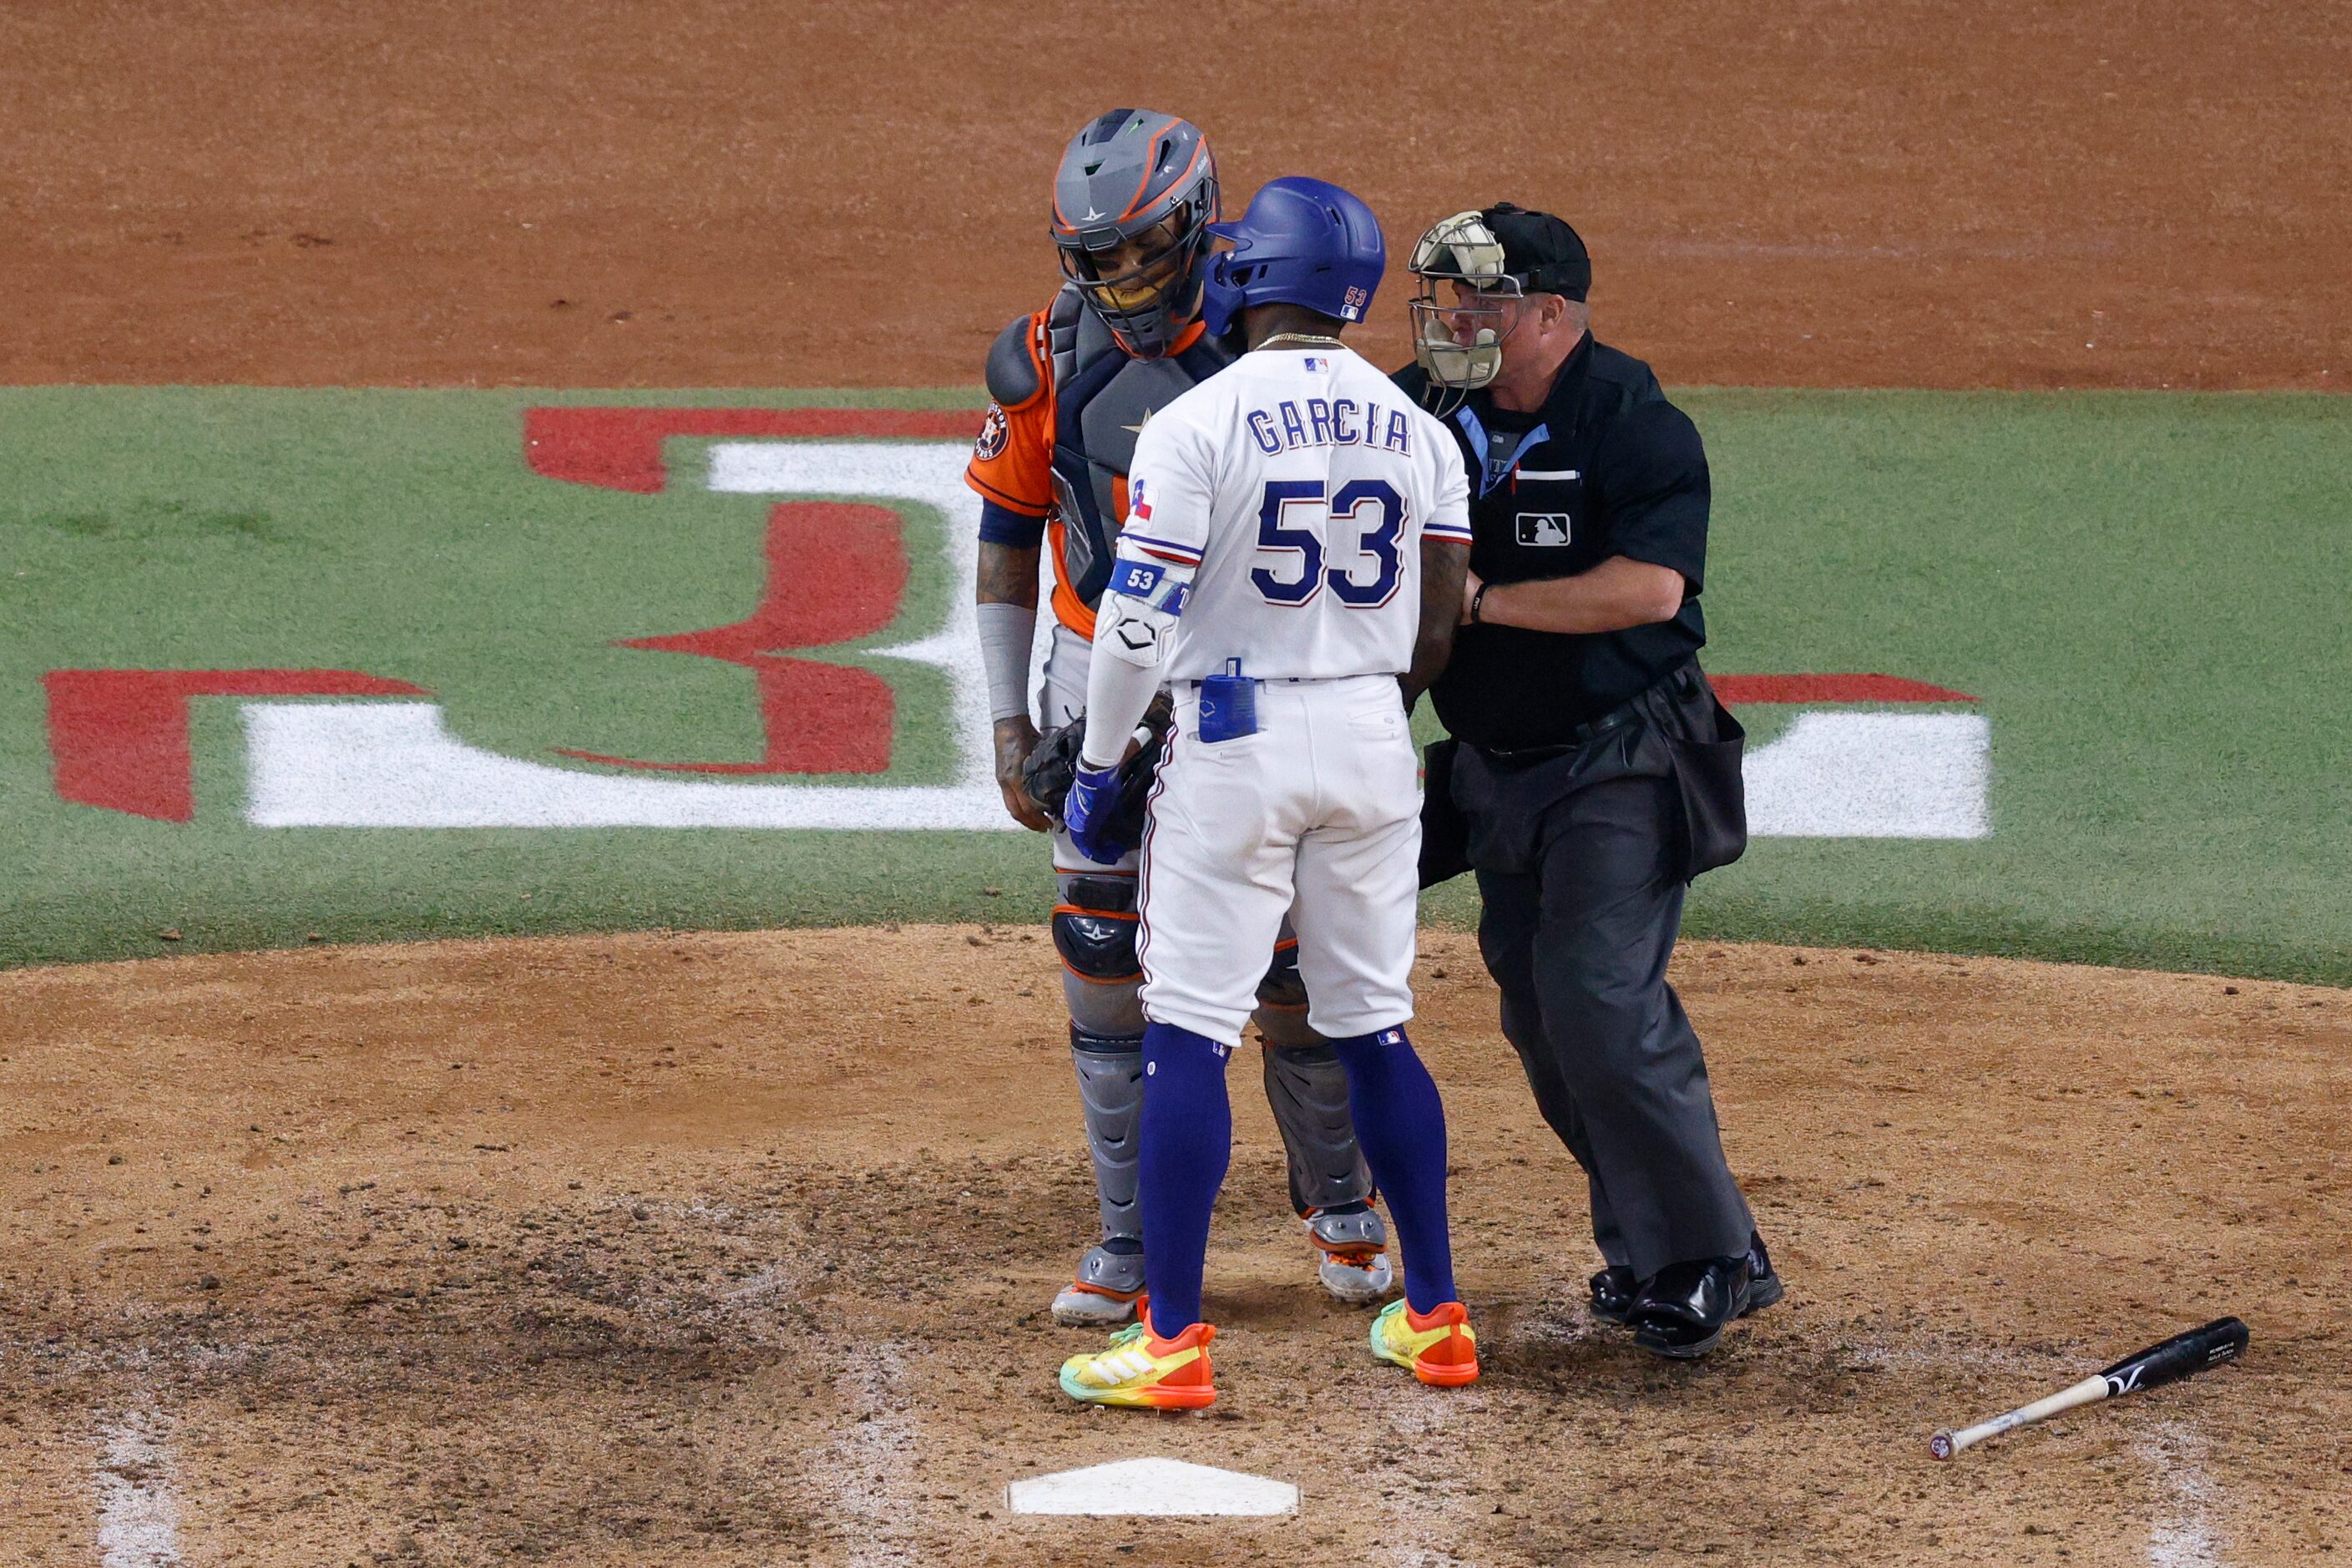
x=1137, y=507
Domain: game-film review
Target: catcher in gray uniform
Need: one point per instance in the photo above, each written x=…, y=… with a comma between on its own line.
x=1072, y=385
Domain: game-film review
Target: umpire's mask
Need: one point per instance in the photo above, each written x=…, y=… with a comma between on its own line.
x=1486, y=263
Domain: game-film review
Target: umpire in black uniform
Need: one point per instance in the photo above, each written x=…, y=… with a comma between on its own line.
x=1592, y=772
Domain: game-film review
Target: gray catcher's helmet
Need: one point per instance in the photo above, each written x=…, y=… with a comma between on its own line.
x=1132, y=202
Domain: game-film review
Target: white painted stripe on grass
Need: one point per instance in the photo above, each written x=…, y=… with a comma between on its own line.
x=395, y=764
x=138, y=1513
x=1159, y=1488
x=1874, y=775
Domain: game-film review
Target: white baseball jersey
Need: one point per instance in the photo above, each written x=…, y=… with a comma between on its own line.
x=1301, y=483
x=1294, y=488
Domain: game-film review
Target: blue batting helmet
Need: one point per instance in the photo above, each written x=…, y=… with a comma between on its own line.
x=1303, y=242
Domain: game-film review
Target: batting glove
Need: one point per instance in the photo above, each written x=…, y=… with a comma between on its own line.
x=1086, y=814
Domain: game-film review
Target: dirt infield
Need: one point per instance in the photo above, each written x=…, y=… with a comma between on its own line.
x=733, y=1249
x=715, y=192
x=730, y=1249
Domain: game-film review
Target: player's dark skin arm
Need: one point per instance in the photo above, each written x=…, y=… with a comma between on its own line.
x=1443, y=565
x=1008, y=575
x=1618, y=594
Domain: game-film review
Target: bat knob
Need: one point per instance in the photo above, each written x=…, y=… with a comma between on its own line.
x=1940, y=1445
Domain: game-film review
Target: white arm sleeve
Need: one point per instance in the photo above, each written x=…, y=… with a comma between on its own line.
x=1117, y=694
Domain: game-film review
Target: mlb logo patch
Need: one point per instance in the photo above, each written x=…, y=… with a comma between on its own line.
x=1316, y=364
x=1543, y=528
x=1352, y=310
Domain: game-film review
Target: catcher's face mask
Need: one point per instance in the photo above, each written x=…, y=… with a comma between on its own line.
x=1135, y=275
x=1465, y=305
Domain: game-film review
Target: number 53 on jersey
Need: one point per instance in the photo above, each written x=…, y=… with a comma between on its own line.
x=1364, y=520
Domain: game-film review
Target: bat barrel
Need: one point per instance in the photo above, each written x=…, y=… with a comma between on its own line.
x=2223, y=1338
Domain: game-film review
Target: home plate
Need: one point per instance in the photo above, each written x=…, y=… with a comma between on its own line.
x=1165, y=1488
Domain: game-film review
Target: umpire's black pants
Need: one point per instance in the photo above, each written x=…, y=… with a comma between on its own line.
x=1576, y=858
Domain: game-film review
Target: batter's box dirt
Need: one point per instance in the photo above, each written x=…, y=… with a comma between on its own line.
x=721, y=1249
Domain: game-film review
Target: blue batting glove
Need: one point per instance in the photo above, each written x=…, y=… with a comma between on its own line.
x=1094, y=792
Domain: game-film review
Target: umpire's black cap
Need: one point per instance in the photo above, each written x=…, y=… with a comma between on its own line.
x=1541, y=250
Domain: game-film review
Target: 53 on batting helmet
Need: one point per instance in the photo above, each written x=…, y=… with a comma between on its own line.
x=1132, y=204
x=1303, y=242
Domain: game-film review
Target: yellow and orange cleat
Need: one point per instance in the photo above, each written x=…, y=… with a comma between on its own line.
x=1440, y=1348
x=1142, y=1369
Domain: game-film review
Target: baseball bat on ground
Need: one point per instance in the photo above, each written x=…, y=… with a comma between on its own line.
x=2221, y=1340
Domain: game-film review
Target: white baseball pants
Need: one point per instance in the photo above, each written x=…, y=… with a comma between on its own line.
x=1319, y=814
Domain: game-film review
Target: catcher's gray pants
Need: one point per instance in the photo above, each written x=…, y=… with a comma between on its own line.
x=1574, y=856
x=1306, y=1085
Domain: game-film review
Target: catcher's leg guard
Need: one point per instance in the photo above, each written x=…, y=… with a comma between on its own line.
x=1308, y=1090
x=1330, y=1185
x=1110, y=1091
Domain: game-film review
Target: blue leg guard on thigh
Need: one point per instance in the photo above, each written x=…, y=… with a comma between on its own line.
x=1186, y=1141
x=1401, y=1123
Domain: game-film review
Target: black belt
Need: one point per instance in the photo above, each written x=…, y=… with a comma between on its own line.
x=1628, y=712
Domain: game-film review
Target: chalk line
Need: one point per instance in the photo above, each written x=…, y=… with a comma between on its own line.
x=2187, y=1533
x=137, y=1514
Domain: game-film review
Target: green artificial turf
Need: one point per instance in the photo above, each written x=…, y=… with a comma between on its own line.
x=2144, y=591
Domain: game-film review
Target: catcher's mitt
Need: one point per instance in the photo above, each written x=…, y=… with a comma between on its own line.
x=1047, y=773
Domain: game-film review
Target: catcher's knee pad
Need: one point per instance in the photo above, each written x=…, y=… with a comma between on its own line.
x=1281, y=1015
x=1307, y=1088
x=1094, y=931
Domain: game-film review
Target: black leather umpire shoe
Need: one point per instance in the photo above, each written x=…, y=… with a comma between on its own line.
x=1681, y=1312
x=1612, y=1293
x=1764, y=1286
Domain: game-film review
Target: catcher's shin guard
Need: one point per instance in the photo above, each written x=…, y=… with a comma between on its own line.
x=1308, y=1087
x=1110, y=1087
x=1110, y=1091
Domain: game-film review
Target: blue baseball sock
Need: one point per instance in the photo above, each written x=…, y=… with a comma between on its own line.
x=1183, y=1146
x=1400, y=1125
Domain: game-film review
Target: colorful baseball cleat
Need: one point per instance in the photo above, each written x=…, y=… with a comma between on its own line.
x=1355, y=1265
x=1105, y=1292
x=1440, y=1348
x=1139, y=1368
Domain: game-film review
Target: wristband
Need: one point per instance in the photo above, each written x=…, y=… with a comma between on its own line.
x=1476, y=600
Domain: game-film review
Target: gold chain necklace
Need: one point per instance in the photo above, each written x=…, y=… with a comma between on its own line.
x=1304, y=340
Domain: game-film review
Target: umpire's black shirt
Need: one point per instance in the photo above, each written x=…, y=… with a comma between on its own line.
x=1607, y=467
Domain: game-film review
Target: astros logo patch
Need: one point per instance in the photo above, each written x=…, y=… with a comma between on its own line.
x=993, y=432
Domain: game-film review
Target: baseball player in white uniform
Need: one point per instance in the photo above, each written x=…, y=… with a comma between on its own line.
x=1281, y=518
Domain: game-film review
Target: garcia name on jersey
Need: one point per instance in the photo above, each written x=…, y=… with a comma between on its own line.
x=1281, y=506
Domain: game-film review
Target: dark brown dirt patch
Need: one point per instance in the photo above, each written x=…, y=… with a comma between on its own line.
x=726, y=193
x=719, y=1248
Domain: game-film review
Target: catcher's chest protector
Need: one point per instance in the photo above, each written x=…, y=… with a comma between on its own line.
x=1101, y=399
